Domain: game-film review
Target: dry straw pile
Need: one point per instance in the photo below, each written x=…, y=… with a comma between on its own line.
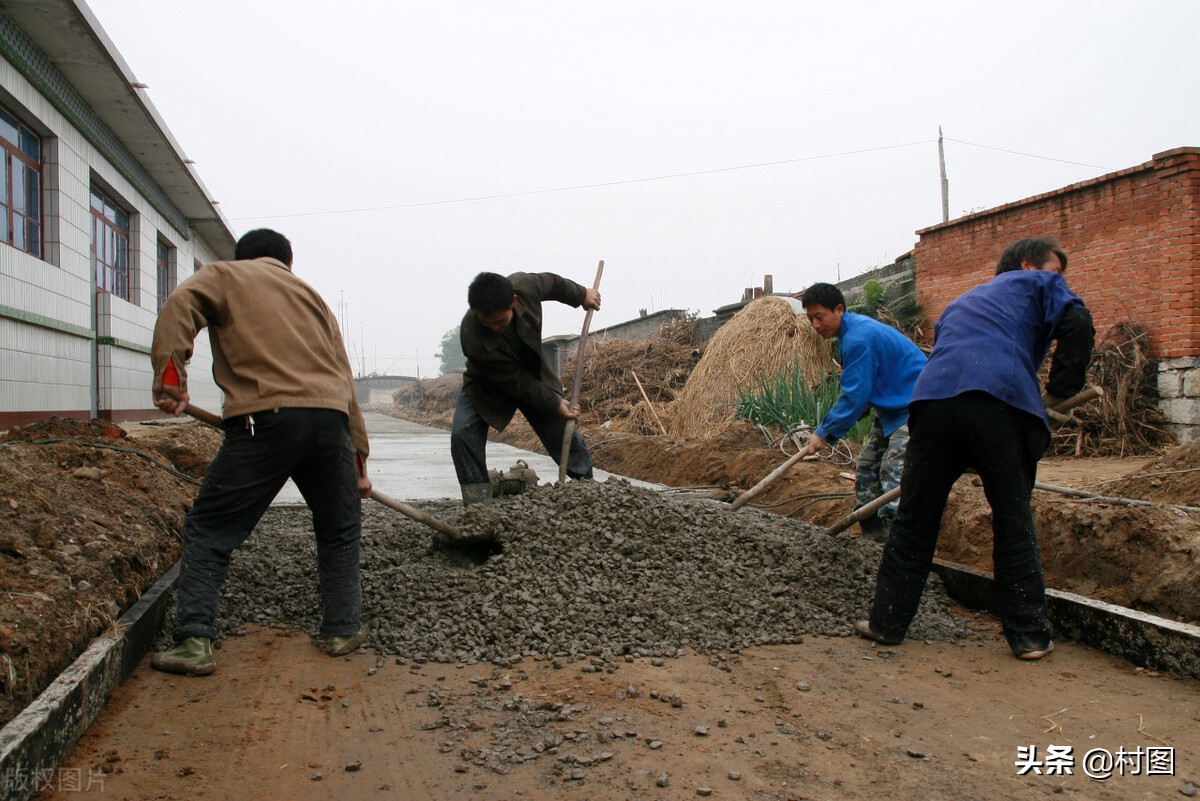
x=766, y=338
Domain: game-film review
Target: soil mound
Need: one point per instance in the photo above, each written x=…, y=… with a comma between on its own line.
x=89, y=518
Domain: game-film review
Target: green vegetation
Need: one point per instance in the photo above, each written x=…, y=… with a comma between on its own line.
x=900, y=312
x=786, y=400
x=451, y=352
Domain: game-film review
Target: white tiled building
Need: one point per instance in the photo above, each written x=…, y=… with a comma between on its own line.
x=101, y=215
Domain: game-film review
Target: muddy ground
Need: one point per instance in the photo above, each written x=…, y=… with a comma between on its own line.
x=831, y=717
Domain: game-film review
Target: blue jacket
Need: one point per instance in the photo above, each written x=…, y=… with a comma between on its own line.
x=994, y=337
x=879, y=369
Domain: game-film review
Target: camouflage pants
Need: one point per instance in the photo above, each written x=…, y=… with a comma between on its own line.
x=879, y=466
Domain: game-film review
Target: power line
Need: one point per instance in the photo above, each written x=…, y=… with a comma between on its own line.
x=653, y=178
x=667, y=177
x=1028, y=155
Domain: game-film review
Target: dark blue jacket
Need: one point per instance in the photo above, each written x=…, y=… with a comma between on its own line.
x=994, y=337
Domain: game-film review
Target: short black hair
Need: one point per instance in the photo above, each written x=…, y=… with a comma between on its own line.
x=490, y=293
x=263, y=243
x=826, y=295
x=1032, y=249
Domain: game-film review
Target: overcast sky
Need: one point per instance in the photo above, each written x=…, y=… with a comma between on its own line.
x=694, y=146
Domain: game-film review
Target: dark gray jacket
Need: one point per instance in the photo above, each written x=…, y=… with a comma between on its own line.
x=499, y=379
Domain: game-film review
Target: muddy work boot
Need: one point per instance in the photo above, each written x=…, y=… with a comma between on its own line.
x=476, y=493
x=342, y=644
x=875, y=528
x=190, y=657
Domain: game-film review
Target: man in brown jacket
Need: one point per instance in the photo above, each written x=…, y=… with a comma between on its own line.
x=290, y=412
x=507, y=370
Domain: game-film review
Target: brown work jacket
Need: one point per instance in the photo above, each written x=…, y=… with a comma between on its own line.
x=498, y=380
x=275, y=344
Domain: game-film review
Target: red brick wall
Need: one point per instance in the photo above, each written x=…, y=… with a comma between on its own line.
x=1132, y=240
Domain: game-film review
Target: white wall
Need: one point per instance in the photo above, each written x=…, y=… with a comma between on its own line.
x=46, y=369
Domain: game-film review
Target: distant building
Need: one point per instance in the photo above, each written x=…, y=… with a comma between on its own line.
x=101, y=216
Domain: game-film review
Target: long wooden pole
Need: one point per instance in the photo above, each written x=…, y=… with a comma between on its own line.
x=868, y=509
x=576, y=387
x=1063, y=406
x=649, y=405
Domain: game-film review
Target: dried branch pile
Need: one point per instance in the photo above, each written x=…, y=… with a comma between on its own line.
x=1127, y=420
x=610, y=395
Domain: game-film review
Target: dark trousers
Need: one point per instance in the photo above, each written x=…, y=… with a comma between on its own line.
x=972, y=430
x=313, y=448
x=468, y=442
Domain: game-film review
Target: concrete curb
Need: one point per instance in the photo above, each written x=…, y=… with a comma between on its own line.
x=34, y=742
x=1144, y=639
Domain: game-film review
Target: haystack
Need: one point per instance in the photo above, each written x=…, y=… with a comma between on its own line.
x=768, y=337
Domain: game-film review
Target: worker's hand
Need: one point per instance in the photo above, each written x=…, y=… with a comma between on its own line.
x=567, y=410
x=591, y=300
x=171, y=399
x=813, y=445
x=1050, y=401
x=364, y=483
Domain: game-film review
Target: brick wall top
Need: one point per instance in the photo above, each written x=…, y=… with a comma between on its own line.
x=1132, y=237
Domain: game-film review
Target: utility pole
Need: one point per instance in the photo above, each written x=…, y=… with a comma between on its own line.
x=945, y=182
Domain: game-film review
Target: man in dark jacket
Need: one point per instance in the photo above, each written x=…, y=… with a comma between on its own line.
x=977, y=405
x=507, y=370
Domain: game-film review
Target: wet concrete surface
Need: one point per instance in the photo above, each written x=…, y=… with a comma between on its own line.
x=412, y=462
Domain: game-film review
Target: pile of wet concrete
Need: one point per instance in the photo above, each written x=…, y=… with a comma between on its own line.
x=599, y=569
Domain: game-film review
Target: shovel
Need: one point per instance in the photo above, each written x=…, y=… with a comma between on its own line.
x=456, y=535
x=1056, y=413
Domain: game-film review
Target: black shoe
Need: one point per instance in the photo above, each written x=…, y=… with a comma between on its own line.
x=864, y=630
x=1030, y=650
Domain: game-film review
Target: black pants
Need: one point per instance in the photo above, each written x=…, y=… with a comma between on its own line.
x=313, y=448
x=468, y=442
x=972, y=430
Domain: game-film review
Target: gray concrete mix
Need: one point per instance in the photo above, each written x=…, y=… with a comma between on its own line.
x=598, y=569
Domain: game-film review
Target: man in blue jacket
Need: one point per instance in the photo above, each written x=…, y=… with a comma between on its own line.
x=978, y=405
x=879, y=368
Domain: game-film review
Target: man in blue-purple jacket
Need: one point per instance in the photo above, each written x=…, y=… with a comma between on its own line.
x=977, y=404
x=879, y=369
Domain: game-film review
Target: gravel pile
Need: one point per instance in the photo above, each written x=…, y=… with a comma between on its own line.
x=587, y=570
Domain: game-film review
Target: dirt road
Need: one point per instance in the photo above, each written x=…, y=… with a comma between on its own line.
x=831, y=718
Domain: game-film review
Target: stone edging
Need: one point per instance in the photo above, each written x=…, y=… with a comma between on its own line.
x=34, y=742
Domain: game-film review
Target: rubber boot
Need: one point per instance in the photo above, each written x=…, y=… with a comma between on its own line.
x=875, y=528
x=190, y=657
x=476, y=493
